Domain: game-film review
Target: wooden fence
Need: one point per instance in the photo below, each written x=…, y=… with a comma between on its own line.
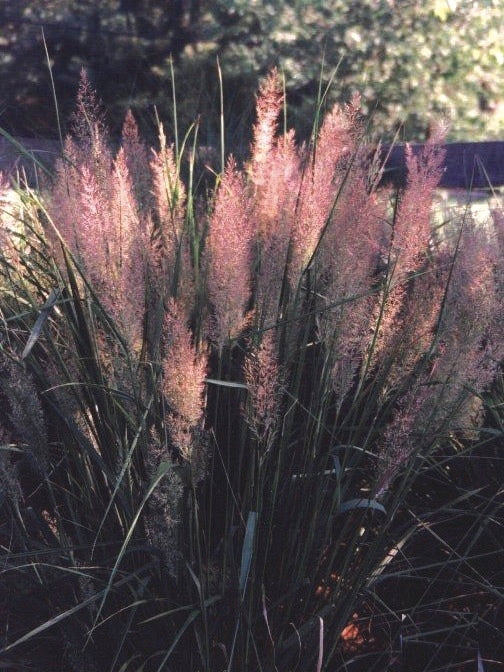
x=468, y=165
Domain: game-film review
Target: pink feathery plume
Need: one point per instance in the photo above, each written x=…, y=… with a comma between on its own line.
x=468, y=353
x=170, y=209
x=268, y=107
x=137, y=161
x=273, y=212
x=184, y=373
x=274, y=171
x=412, y=227
x=90, y=133
x=26, y=413
x=470, y=329
x=98, y=218
x=64, y=197
x=9, y=474
x=169, y=191
x=411, y=232
x=263, y=376
x=87, y=158
x=129, y=255
x=402, y=437
x=323, y=175
x=417, y=322
x=87, y=119
x=346, y=263
x=275, y=200
x=229, y=256
x=94, y=236
x=10, y=213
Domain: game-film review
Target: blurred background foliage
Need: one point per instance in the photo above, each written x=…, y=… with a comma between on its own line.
x=411, y=61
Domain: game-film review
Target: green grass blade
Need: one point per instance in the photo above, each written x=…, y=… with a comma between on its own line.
x=164, y=467
x=247, y=550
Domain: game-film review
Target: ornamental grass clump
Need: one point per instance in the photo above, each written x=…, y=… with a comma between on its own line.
x=233, y=421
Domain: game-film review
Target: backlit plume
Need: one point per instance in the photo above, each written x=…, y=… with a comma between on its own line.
x=229, y=256
x=93, y=205
x=274, y=207
x=411, y=231
x=264, y=378
x=324, y=172
x=137, y=160
x=170, y=207
x=268, y=107
x=184, y=372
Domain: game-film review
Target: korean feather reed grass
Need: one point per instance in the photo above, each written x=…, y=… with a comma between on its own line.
x=250, y=429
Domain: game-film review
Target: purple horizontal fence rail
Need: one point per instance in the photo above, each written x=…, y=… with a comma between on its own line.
x=475, y=165
x=23, y=156
x=468, y=165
